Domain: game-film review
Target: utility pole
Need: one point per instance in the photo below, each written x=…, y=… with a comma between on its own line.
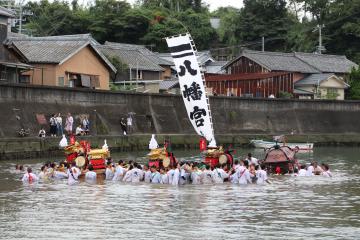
x=263, y=44
x=320, y=47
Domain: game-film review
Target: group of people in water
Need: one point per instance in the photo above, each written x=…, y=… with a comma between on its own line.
x=246, y=171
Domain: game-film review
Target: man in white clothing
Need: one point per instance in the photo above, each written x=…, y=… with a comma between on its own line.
x=310, y=170
x=244, y=174
x=196, y=176
x=207, y=176
x=90, y=176
x=252, y=160
x=326, y=171
x=261, y=175
x=170, y=174
x=119, y=171
x=110, y=171
x=219, y=175
x=176, y=176
x=136, y=174
x=29, y=177
x=73, y=174
x=155, y=176
x=302, y=171
x=164, y=176
x=147, y=174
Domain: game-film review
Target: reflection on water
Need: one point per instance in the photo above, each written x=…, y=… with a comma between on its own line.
x=290, y=208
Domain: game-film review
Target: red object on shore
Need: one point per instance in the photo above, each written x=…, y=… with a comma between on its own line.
x=202, y=144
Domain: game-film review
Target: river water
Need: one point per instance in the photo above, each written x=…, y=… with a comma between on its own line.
x=289, y=208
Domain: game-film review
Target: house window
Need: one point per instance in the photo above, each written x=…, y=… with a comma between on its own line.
x=24, y=79
x=61, y=81
x=332, y=93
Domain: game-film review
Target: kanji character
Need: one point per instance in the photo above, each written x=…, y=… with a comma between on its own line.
x=193, y=91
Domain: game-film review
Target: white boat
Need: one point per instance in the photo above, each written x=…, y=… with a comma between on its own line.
x=299, y=147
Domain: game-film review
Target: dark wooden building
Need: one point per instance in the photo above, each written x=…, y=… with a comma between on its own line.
x=261, y=74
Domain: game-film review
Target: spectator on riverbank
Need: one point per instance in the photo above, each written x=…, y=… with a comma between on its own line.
x=123, y=126
x=86, y=125
x=52, y=125
x=69, y=124
x=79, y=131
x=59, y=126
x=129, y=124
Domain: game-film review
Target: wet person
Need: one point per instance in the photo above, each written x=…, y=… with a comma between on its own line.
x=155, y=175
x=147, y=174
x=164, y=176
x=310, y=170
x=58, y=172
x=43, y=173
x=207, y=176
x=110, y=171
x=261, y=175
x=252, y=172
x=90, y=175
x=128, y=174
x=196, y=176
x=119, y=171
x=176, y=176
x=184, y=175
x=236, y=164
x=317, y=169
x=136, y=174
x=251, y=160
x=234, y=175
x=244, y=174
x=170, y=174
x=73, y=173
x=326, y=171
x=219, y=174
x=29, y=177
x=302, y=171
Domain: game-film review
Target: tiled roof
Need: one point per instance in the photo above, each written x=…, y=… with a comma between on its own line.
x=54, y=49
x=298, y=62
x=203, y=57
x=327, y=63
x=133, y=58
x=146, y=52
x=215, y=67
x=314, y=79
x=6, y=12
x=168, y=84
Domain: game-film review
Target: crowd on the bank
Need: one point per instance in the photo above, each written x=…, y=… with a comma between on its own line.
x=243, y=172
x=57, y=128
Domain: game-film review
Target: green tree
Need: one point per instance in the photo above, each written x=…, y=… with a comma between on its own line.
x=354, y=82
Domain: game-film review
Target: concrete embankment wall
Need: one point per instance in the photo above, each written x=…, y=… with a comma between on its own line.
x=164, y=114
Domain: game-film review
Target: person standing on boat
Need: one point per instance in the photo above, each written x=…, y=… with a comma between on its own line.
x=90, y=176
x=119, y=171
x=73, y=174
x=29, y=177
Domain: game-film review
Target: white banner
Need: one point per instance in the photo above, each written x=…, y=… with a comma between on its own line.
x=192, y=85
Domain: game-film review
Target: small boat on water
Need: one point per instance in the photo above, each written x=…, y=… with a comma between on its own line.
x=280, y=140
x=280, y=160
